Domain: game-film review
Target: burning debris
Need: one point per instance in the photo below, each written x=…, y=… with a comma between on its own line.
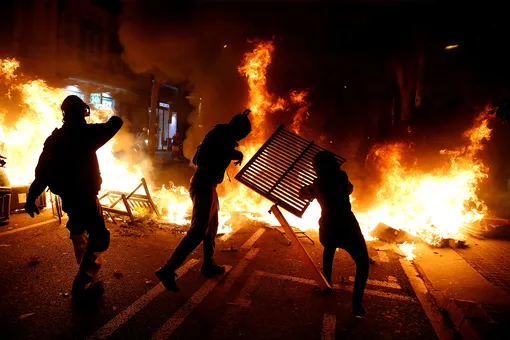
x=435, y=207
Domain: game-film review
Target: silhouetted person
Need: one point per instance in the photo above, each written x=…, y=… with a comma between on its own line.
x=338, y=227
x=68, y=165
x=212, y=158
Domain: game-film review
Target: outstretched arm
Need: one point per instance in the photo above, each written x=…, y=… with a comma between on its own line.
x=100, y=134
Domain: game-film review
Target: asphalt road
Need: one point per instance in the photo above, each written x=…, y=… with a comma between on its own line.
x=267, y=293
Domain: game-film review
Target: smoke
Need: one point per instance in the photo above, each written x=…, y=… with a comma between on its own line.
x=191, y=47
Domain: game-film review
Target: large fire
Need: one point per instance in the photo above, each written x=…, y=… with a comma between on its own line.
x=431, y=205
x=434, y=205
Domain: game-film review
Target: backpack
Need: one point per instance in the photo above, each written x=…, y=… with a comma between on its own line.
x=50, y=167
x=196, y=157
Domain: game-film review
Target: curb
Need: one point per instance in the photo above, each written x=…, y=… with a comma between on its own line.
x=464, y=315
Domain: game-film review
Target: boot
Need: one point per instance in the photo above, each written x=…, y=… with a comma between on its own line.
x=167, y=277
x=212, y=269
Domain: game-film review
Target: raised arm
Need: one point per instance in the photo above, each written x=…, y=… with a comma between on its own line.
x=100, y=134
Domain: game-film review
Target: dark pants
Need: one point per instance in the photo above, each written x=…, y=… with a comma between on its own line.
x=88, y=232
x=359, y=253
x=204, y=226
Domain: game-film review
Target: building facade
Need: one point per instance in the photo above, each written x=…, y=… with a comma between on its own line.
x=75, y=45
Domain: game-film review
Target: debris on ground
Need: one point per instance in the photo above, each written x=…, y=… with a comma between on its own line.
x=457, y=243
x=34, y=260
x=118, y=274
x=143, y=226
x=231, y=249
x=148, y=282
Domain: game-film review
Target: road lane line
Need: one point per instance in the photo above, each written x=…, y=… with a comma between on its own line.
x=379, y=283
x=328, y=327
x=427, y=301
x=342, y=287
x=241, y=266
x=383, y=257
x=226, y=236
x=40, y=224
x=130, y=311
x=224, y=328
x=165, y=331
x=248, y=244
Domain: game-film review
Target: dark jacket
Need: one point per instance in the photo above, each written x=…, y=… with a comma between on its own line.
x=214, y=155
x=337, y=224
x=68, y=163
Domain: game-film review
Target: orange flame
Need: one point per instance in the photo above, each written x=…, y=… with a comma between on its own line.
x=432, y=205
x=39, y=114
x=298, y=97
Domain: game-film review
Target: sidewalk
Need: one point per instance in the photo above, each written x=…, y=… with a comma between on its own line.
x=479, y=309
x=491, y=258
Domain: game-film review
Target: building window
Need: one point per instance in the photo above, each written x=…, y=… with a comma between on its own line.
x=91, y=42
x=107, y=103
x=73, y=89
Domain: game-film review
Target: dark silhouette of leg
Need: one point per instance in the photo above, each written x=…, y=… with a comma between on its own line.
x=203, y=200
x=210, y=268
x=359, y=253
x=212, y=230
x=89, y=246
x=327, y=262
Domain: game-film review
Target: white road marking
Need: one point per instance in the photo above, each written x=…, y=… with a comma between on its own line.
x=426, y=301
x=165, y=331
x=243, y=301
x=379, y=283
x=337, y=286
x=226, y=236
x=383, y=257
x=40, y=224
x=392, y=279
x=126, y=314
x=328, y=327
x=249, y=243
x=241, y=266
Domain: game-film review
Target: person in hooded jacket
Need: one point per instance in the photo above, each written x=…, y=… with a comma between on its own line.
x=212, y=158
x=338, y=227
x=68, y=165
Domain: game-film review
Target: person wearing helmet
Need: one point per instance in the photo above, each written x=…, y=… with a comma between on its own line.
x=212, y=158
x=338, y=227
x=68, y=165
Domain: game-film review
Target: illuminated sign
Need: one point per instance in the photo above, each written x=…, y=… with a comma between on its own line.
x=166, y=105
x=107, y=104
x=95, y=98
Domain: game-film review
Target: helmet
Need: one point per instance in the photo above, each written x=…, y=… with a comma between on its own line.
x=241, y=125
x=75, y=106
